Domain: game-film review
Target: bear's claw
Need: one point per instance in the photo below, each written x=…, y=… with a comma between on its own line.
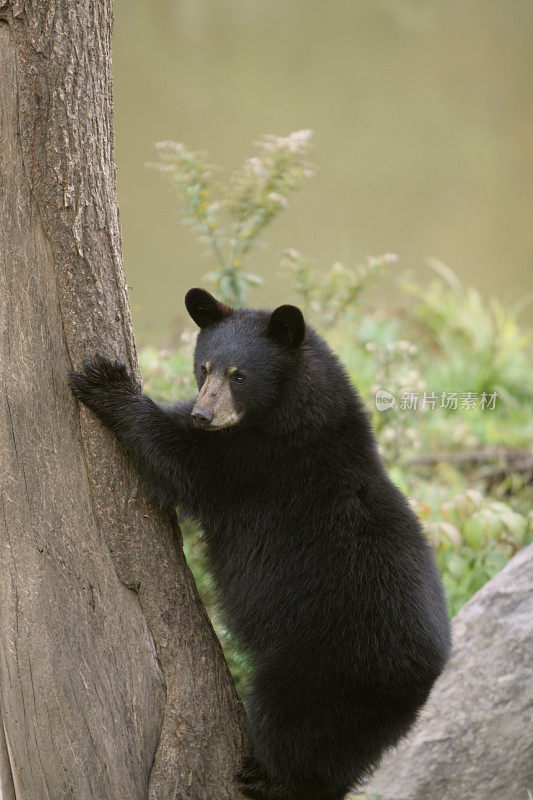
x=101, y=382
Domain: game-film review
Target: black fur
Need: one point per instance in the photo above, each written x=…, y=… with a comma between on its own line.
x=323, y=571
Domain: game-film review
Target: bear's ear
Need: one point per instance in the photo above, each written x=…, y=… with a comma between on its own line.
x=204, y=308
x=287, y=326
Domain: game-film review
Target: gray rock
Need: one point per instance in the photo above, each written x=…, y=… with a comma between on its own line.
x=473, y=740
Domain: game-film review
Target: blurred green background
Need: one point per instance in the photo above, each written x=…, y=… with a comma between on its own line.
x=423, y=119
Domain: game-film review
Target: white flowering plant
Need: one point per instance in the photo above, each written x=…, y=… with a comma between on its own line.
x=231, y=218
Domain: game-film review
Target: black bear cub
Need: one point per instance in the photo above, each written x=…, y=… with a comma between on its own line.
x=324, y=574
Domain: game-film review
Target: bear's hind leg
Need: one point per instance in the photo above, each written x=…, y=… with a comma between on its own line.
x=293, y=730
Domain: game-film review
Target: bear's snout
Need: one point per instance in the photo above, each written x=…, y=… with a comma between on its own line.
x=202, y=416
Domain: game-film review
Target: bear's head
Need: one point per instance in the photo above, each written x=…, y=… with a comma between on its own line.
x=242, y=359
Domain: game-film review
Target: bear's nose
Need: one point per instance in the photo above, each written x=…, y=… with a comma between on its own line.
x=201, y=416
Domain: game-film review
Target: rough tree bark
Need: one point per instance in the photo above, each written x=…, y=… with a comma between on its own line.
x=112, y=682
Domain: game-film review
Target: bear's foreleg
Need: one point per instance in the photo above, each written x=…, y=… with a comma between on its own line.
x=161, y=441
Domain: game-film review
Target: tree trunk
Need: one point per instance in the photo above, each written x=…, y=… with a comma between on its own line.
x=113, y=685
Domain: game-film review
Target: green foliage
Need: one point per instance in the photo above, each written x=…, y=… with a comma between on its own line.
x=230, y=219
x=473, y=537
x=168, y=374
x=193, y=549
x=328, y=296
x=385, y=349
x=474, y=336
x=397, y=372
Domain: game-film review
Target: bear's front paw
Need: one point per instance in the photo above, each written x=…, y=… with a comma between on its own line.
x=102, y=384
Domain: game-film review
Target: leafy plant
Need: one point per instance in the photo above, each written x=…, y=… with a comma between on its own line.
x=328, y=296
x=476, y=337
x=232, y=218
x=397, y=373
x=474, y=537
x=168, y=373
x=193, y=549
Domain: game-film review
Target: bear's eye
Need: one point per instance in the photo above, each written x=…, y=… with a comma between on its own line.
x=238, y=377
x=203, y=369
